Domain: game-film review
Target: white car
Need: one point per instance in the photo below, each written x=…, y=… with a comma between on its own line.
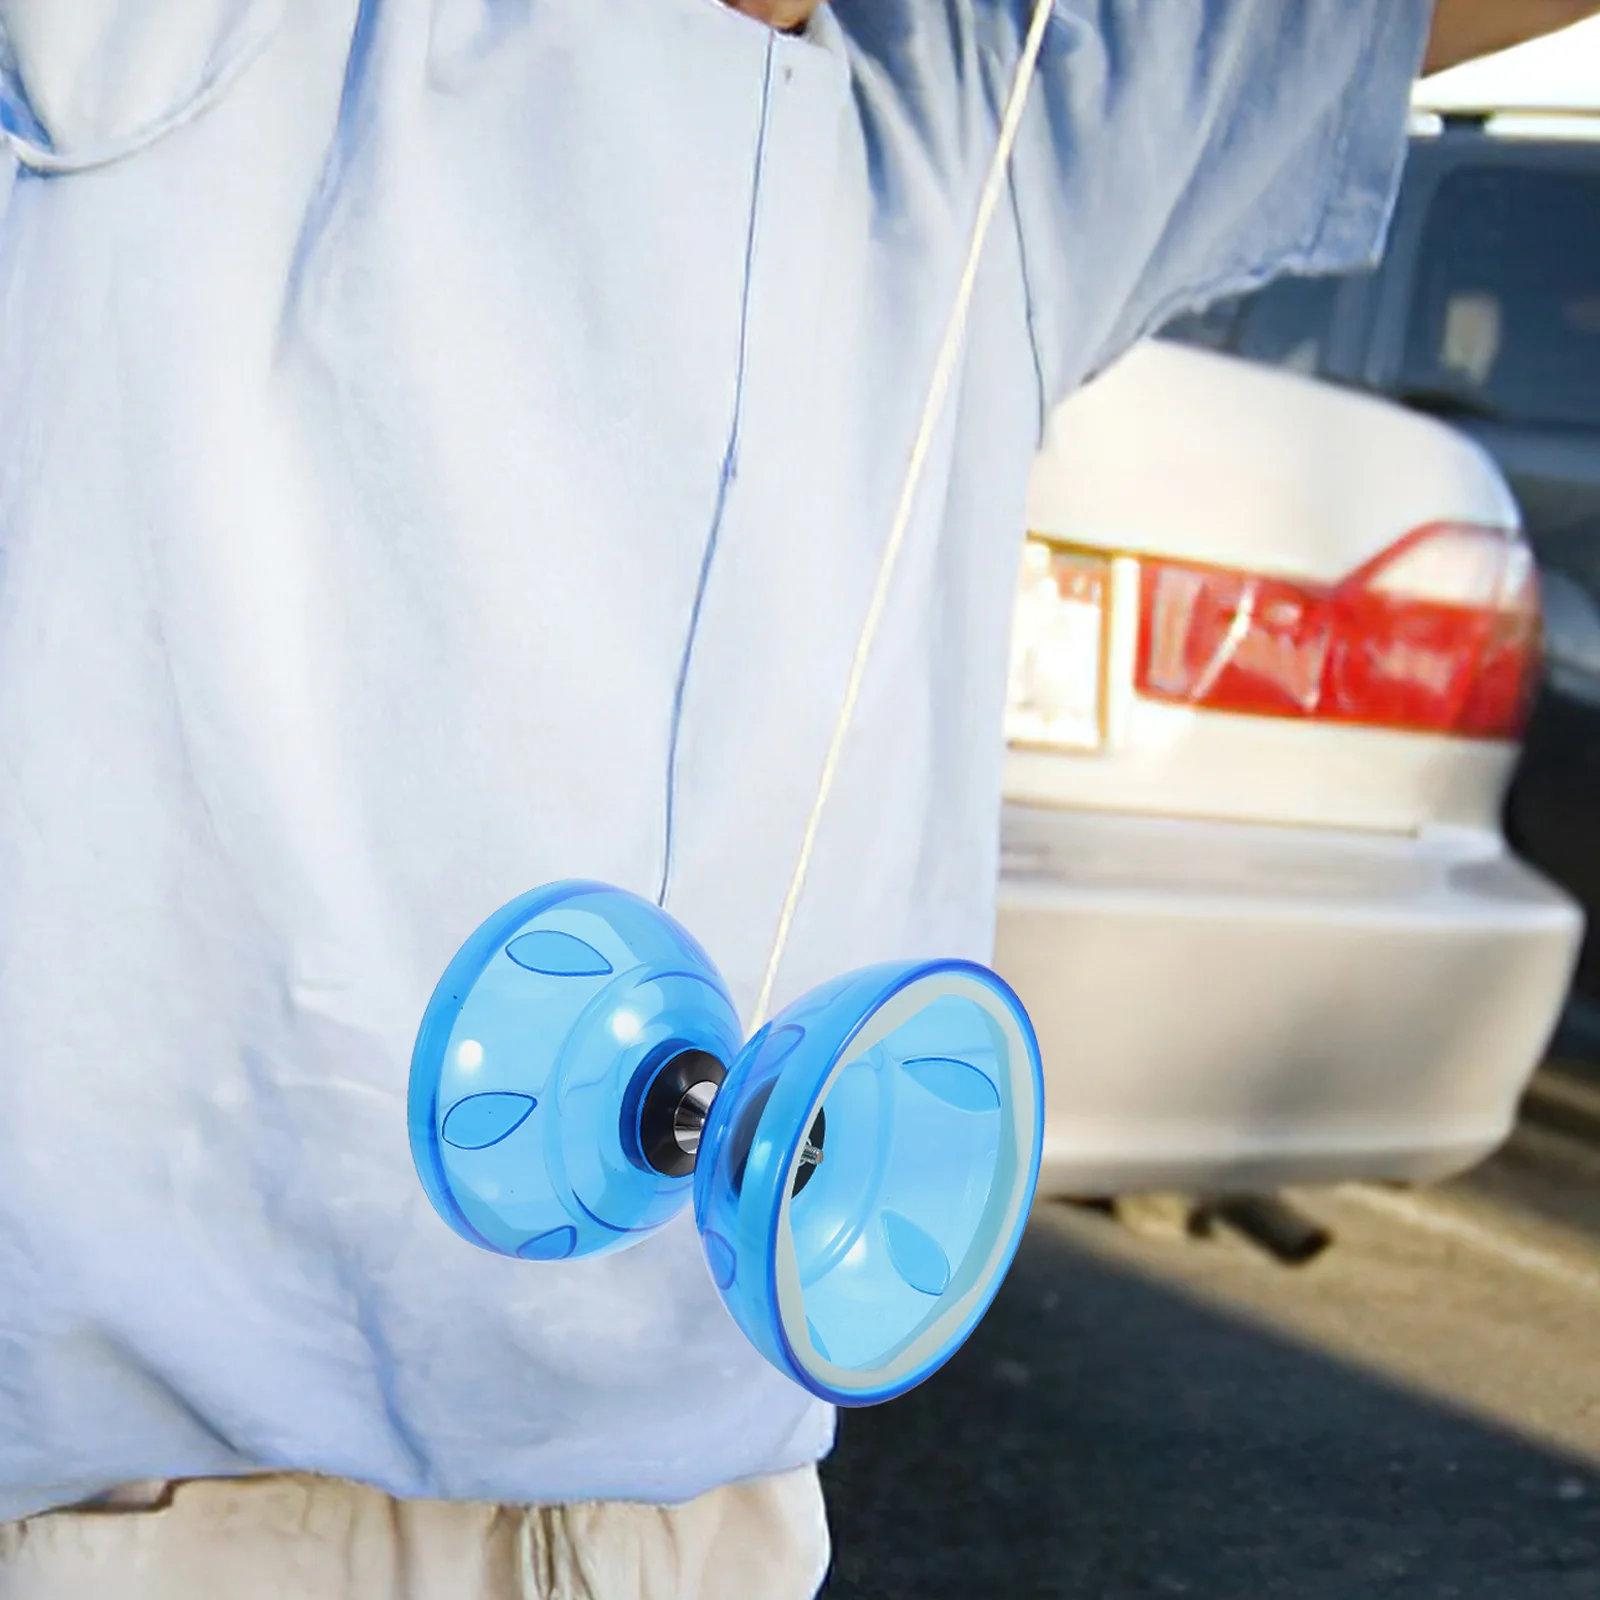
x=1274, y=644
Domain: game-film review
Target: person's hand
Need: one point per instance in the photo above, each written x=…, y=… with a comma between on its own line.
x=1464, y=29
x=784, y=15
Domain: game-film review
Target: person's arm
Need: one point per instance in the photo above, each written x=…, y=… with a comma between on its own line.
x=1172, y=151
x=1465, y=29
x=1175, y=153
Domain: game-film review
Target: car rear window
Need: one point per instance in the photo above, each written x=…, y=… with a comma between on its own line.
x=1505, y=318
x=1286, y=324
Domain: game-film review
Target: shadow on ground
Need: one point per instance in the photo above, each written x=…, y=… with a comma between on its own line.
x=1103, y=1437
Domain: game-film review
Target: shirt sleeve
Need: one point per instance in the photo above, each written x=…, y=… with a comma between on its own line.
x=1178, y=150
x=85, y=84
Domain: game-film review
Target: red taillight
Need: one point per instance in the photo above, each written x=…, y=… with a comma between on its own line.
x=1440, y=634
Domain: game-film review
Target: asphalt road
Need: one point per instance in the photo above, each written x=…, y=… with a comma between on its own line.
x=1415, y=1414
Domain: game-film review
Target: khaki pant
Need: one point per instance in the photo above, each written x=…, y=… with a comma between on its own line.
x=304, y=1538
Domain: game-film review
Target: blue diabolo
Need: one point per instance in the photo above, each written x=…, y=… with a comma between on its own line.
x=861, y=1168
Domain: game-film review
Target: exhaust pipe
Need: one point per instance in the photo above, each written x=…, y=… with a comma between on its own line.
x=1269, y=1222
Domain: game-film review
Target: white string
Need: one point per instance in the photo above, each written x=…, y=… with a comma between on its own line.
x=933, y=407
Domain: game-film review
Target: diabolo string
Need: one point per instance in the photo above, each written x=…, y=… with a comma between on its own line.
x=933, y=406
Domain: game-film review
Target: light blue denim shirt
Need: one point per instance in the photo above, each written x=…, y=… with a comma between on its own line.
x=445, y=445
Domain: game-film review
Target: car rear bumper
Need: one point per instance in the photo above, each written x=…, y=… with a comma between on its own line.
x=1224, y=1006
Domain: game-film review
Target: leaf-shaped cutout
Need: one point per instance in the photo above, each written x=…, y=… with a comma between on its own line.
x=557, y=955
x=485, y=1119
x=816, y=1340
x=779, y=1045
x=916, y=1254
x=556, y=1245
x=958, y=1083
x=719, y=1257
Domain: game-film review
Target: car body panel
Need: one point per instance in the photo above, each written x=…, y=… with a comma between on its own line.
x=1552, y=810
x=1334, y=477
x=1260, y=950
x=1177, y=452
x=1177, y=763
x=1233, y=1007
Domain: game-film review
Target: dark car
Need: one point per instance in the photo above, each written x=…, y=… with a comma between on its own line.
x=1485, y=311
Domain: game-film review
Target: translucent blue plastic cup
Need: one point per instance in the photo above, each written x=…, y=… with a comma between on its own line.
x=558, y=1006
x=918, y=1086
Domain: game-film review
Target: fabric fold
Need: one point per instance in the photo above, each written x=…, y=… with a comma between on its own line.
x=84, y=85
